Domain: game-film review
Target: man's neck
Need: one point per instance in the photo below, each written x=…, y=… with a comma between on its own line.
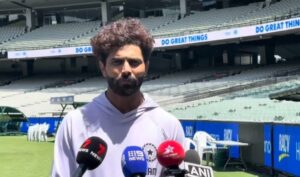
x=125, y=103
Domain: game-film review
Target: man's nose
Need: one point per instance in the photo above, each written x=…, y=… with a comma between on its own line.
x=126, y=70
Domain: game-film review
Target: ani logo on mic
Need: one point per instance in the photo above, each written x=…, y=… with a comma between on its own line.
x=196, y=170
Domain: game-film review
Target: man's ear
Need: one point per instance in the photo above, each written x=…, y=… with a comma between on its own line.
x=102, y=68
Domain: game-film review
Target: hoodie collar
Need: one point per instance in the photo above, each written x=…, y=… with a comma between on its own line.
x=112, y=112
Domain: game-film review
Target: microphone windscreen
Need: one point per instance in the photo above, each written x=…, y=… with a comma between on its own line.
x=192, y=156
x=134, y=162
x=92, y=152
x=170, y=154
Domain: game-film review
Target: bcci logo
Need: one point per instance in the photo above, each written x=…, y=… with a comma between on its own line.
x=150, y=151
x=284, y=146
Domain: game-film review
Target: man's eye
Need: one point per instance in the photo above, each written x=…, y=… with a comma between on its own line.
x=134, y=63
x=117, y=62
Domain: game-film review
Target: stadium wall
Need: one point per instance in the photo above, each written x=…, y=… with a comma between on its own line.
x=272, y=146
x=52, y=121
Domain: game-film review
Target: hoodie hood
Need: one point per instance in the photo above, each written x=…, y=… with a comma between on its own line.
x=101, y=109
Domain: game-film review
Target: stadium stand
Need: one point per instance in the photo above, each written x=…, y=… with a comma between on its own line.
x=245, y=76
x=10, y=32
x=254, y=13
x=206, y=19
x=76, y=34
x=275, y=10
x=6, y=79
x=89, y=85
x=39, y=82
x=34, y=93
x=151, y=23
x=51, y=36
x=251, y=105
x=71, y=34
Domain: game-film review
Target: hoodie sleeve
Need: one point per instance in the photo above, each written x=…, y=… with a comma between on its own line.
x=170, y=125
x=64, y=163
x=179, y=133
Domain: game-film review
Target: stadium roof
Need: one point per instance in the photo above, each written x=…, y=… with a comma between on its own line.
x=17, y=6
x=10, y=113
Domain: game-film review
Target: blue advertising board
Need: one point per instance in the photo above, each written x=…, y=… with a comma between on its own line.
x=52, y=121
x=189, y=127
x=287, y=148
x=222, y=131
x=268, y=145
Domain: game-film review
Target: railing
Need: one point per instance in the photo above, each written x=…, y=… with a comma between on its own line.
x=187, y=31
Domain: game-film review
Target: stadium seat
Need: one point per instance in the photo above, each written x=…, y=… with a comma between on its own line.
x=189, y=144
x=204, y=147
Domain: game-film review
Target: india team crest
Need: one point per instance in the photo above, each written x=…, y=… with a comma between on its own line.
x=150, y=151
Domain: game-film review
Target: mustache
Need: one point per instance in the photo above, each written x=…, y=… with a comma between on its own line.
x=131, y=86
x=127, y=78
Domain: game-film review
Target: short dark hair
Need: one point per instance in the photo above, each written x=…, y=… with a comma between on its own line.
x=119, y=33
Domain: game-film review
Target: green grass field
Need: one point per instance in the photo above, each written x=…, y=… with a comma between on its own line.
x=20, y=158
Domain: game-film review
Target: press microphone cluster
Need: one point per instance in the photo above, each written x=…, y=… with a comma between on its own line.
x=90, y=155
x=134, y=162
x=170, y=154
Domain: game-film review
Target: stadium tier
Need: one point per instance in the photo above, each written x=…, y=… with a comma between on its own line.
x=153, y=23
x=220, y=79
x=79, y=34
x=206, y=19
x=8, y=33
x=253, y=13
x=51, y=36
x=32, y=95
x=275, y=10
x=251, y=105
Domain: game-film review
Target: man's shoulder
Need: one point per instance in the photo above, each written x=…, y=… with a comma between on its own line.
x=73, y=114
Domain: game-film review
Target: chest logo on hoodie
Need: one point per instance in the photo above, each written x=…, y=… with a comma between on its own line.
x=150, y=151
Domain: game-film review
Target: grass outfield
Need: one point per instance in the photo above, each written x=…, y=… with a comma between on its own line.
x=20, y=158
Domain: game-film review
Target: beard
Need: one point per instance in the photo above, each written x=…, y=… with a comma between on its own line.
x=125, y=86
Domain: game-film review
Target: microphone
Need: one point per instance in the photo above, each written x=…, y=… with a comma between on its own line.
x=134, y=162
x=170, y=154
x=194, y=168
x=192, y=156
x=90, y=155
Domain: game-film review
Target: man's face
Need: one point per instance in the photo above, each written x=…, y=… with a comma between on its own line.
x=124, y=70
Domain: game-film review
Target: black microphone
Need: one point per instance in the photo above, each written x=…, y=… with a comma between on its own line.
x=192, y=156
x=192, y=165
x=90, y=155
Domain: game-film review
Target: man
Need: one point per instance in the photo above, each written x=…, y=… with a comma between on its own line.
x=122, y=116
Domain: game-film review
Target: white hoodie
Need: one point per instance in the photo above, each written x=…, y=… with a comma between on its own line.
x=147, y=126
